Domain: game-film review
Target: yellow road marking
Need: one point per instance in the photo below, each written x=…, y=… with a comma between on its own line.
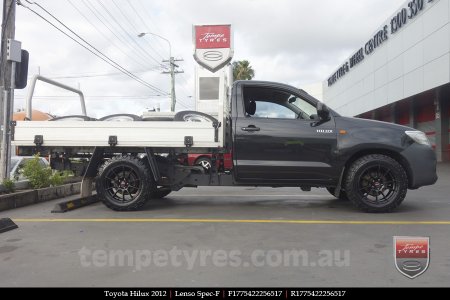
x=323, y=222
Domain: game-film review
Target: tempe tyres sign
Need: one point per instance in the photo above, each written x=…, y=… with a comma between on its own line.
x=399, y=20
x=213, y=46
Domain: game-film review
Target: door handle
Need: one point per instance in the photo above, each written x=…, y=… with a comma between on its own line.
x=251, y=128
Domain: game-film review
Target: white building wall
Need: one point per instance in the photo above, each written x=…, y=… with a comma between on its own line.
x=314, y=89
x=414, y=59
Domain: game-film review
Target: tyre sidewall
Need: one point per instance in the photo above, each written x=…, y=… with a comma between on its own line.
x=145, y=188
x=180, y=116
x=357, y=170
x=77, y=118
x=130, y=116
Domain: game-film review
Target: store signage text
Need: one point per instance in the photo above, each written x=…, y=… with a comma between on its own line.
x=399, y=20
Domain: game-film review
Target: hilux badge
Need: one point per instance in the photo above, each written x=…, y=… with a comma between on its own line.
x=324, y=130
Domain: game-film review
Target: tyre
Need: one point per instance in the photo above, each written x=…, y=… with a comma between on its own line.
x=193, y=116
x=204, y=162
x=121, y=118
x=157, y=119
x=73, y=118
x=161, y=192
x=342, y=194
x=124, y=183
x=376, y=183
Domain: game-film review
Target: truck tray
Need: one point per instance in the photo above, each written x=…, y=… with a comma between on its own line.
x=127, y=134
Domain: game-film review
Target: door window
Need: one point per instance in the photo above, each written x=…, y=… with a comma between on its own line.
x=276, y=104
x=273, y=111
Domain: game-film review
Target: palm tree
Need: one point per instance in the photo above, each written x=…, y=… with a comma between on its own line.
x=242, y=70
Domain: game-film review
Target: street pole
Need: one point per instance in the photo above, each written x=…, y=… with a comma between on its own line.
x=7, y=75
x=173, y=97
x=172, y=72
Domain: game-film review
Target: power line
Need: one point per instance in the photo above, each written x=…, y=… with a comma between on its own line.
x=99, y=54
x=68, y=97
x=183, y=86
x=133, y=26
x=149, y=16
x=157, y=41
x=92, y=75
x=187, y=93
x=105, y=36
x=126, y=32
x=171, y=60
x=145, y=23
x=101, y=98
x=110, y=27
x=85, y=41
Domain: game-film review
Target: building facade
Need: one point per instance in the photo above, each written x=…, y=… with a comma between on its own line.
x=401, y=73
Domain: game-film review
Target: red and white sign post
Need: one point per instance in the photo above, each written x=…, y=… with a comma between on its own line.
x=213, y=46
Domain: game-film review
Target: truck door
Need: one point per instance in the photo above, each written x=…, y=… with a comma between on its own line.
x=278, y=138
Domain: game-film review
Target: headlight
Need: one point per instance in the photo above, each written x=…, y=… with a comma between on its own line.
x=419, y=137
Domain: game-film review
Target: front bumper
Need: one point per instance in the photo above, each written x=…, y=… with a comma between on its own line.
x=421, y=162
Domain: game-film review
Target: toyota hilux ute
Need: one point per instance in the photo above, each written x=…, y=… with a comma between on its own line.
x=278, y=136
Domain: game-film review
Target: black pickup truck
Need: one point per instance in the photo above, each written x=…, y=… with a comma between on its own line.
x=280, y=136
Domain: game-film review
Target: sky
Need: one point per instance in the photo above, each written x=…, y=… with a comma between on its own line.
x=297, y=42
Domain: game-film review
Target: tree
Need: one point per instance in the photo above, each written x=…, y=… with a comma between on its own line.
x=242, y=70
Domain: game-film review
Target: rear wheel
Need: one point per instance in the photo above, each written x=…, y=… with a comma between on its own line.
x=342, y=194
x=376, y=183
x=157, y=119
x=124, y=183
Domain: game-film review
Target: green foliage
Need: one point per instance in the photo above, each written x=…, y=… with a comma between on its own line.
x=8, y=184
x=58, y=178
x=242, y=70
x=40, y=176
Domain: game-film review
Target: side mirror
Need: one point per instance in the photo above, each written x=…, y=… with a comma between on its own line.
x=323, y=112
x=314, y=117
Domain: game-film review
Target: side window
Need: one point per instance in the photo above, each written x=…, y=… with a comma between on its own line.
x=22, y=163
x=273, y=111
x=306, y=110
x=272, y=103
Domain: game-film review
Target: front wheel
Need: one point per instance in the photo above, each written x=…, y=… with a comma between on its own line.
x=124, y=183
x=376, y=183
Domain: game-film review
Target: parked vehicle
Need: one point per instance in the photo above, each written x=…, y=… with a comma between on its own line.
x=18, y=163
x=223, y=163
x=279, y=136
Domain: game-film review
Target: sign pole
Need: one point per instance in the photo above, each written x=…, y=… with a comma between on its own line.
x=7, y=75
